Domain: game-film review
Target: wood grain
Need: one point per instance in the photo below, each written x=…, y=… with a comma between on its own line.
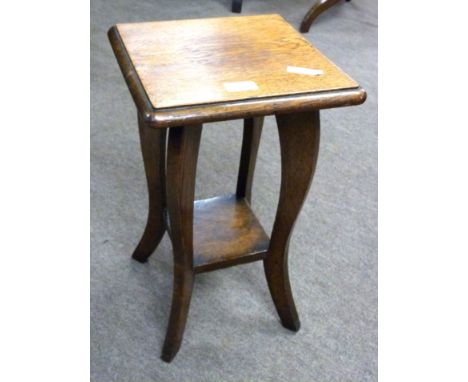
x=182, y=155
x=153, y=148
x=176, y=72
x=212, y=112
x=187, y=62
x=226, y=233
x=254, y=108
x=299, y=136
x=250, y=142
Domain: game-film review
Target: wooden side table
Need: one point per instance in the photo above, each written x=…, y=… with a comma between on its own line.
x=185, y=73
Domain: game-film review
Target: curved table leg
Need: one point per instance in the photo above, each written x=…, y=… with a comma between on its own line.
x=299, y=135
x=182, y=155
x=319, y=7
x=236, y=6
x=153, y=147
x=250, y=143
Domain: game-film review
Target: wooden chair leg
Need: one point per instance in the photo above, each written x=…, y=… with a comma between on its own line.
x=153, y=147
x=236, y=6
x=250, y=143
x=319, y=7
x=182, y=158
x=299, y=136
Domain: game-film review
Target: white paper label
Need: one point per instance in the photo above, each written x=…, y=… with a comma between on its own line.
x=309, y=72
x=240, y=86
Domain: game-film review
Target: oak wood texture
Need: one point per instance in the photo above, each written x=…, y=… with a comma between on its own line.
x=182, y=155
x=226, y=233
x=299, y=136
x=177, y=70
x=255, y=107
x=220, y=50
x=250, y=142
x=153, y=148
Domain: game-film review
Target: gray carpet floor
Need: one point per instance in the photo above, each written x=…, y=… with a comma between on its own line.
x=233, y=332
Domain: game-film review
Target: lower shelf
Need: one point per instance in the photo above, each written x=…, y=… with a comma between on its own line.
x=226, y=232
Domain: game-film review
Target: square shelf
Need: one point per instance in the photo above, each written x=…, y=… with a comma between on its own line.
x=226, y=232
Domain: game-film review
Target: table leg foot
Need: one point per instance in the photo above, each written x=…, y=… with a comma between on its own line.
x=299, y=136
x=182, y=158
x=182, y=294
x=153, y=147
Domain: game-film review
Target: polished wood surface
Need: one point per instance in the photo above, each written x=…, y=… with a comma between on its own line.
x=193, y=115
x=299, y=136
x=182, y=155
x=248, y=159
x=186, y=65
x=226, y=233
x=255, y=107
x=204, y=55
x=153, y=148
x=176, y=72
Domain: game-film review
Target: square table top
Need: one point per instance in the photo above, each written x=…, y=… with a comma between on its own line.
x=220, y=68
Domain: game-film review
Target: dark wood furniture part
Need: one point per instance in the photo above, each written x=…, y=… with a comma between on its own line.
x=182, y=74
x=319, y=7
x=236, y=6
